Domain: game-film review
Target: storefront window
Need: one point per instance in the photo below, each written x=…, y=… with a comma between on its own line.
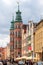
x=29, y=54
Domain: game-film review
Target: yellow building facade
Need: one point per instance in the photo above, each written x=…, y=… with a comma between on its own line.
x=8, y=51
x=39, y=40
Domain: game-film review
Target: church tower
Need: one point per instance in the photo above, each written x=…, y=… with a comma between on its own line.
x=18, y=34
x=12, y=39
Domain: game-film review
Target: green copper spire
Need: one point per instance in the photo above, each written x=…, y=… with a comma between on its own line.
x=18, y=15
x=18, y=5
x=12, y=23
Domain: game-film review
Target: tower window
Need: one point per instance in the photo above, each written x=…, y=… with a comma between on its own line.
x=19, y=43
x=15, y=26
x=18, y=26
x=11, y=39
x=19, y=34
x=11, y=47
x=15, y=34
x=11, y=33
x=15, y=44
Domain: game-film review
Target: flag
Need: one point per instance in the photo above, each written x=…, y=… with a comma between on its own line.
x=29, y=48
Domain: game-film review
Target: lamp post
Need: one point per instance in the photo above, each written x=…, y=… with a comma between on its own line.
x=42, y=53
x=32, y=55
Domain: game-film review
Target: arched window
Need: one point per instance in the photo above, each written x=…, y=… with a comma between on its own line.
x=19, y=34
x=17, y=26
x=15, y=34
x=15, y=44
x=18, y=43
x=11, y=47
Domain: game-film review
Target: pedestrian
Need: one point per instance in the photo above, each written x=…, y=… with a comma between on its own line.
x=4, y=62
x=35, y=63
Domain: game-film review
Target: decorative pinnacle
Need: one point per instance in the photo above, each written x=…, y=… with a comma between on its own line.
x=18, y=5
x=13, y=16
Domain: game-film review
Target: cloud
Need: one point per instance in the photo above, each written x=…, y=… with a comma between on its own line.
x=31, y=10
x=29, y=1
x=2, y=17
x=4, y=39
x=4, y=31
x=40, y=2
x=7, y=2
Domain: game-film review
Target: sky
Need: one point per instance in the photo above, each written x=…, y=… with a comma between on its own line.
x=31, y=10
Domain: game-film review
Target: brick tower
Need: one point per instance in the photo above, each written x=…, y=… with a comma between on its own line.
x=12, y=39
x=17, y=34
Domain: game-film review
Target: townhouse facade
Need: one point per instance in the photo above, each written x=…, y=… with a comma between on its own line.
x=8, y=51
x=39, y=40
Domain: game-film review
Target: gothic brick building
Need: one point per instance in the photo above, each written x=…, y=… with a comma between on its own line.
x=16, y=35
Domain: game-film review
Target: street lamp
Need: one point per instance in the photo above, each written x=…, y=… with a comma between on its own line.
x=32, y=55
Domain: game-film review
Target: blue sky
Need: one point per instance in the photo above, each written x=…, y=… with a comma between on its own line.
x=31, y=10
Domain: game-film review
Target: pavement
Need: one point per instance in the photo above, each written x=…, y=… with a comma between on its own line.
x=11, y=63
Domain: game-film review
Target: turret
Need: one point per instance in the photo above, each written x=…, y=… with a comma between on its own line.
x=12, y=23
x=18, y=15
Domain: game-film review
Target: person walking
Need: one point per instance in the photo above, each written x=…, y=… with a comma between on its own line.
x=4, y=62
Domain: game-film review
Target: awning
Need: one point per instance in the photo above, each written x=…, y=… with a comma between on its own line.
x=18, y=58
x=30, y=58
x=23, y=57
x=26, y=58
